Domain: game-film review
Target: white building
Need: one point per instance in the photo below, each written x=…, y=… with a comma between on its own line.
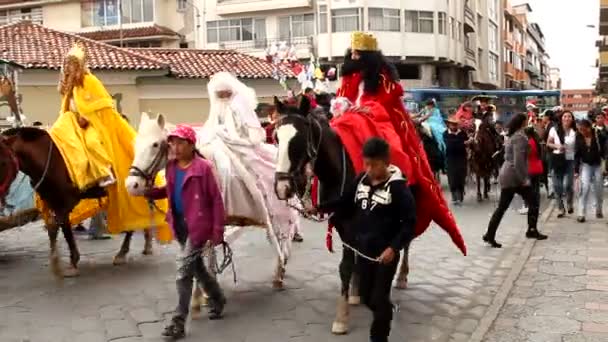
x=454, y=43
x=556, y=79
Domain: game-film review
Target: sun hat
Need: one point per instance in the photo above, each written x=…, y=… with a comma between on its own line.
x=185, y=132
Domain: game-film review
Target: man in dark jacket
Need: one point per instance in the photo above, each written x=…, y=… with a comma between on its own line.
x=384, y=218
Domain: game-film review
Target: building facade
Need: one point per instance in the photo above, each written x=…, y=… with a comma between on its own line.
x=602, y=44
x=555, y=78
x=514, y=54
x=578, y=101
x=433, y=42
x=536, y=59
x=128, y=23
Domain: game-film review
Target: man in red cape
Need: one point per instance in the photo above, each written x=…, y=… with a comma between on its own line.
x=368, y=76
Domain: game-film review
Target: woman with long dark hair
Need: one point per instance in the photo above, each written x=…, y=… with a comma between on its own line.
x=561, y=140
x=514, y=179
x=590, y=151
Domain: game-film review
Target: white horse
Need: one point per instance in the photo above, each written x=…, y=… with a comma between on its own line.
x=151, y=155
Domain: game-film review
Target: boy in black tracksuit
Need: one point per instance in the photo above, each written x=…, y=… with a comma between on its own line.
x=384, y=215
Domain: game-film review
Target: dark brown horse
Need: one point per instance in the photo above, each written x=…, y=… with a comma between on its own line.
x=32, y=151
x=482, y=157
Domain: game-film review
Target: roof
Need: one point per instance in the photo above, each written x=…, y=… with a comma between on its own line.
x=189, y=63
x=130, y=33
x=36, y=47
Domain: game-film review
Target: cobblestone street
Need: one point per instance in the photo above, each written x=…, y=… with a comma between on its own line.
x=447, y=297
x=562, y=293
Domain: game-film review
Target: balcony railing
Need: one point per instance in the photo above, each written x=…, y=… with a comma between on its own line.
x=260, y=44
x=469, y=19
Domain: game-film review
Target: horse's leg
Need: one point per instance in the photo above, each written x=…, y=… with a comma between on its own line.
x=479, y=198
x=354, y=298
x=68, y=234
x=487, y=187
x=148, y=242
x=54, y=261
x=404, y=270
x=121, y=257
x=347, y=265
x=278, y=281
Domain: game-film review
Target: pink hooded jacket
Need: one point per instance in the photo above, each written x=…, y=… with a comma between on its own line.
x=203, y=205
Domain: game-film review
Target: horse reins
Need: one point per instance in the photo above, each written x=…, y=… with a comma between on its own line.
x=150, y=172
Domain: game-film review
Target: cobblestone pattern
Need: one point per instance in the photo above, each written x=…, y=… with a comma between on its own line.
x=448, y=293
x=562, y=293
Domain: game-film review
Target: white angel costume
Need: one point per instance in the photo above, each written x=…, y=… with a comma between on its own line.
x=234, y=140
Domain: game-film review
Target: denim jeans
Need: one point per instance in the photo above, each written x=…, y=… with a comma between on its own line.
x=98, y=226
x=591, y=178
x=563, y=184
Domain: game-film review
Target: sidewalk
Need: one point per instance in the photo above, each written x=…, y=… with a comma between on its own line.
x=561, y=294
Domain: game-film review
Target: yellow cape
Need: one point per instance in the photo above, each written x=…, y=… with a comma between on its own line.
x=107, y=141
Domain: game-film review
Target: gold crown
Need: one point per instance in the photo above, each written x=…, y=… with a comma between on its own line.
x=77, y=51
x=363, y=41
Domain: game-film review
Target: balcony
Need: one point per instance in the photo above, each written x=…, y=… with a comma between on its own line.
x=225, y=7
x=469, y=19
x=533, y=70
x=509, y=69
x=470, y=61
x=303, y=46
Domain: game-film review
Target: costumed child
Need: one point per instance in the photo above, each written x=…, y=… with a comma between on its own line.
x=197, y=217
x=384, y=217
x=456, y=157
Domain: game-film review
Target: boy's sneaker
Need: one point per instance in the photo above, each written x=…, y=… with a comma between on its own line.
x=176, y=329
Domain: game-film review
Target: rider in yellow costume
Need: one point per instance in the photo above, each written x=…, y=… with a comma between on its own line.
x=97, y=146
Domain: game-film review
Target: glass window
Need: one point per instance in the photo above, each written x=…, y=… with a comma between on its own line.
x=384, y=19
x=492, y=9
x=33, y=14
x=246, y=29
x=345, y=20
x=459, y=32
x=106, y=12
x=442, y=22
x=296, y=26
x=452, y=27
x=493, y=36
x=493, y=66
x=323, y=19
x=419, y=21
x=284, y=27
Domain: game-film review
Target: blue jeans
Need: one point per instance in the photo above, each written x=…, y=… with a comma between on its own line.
x=563, y=184
x=97, y=227
x=591, y=178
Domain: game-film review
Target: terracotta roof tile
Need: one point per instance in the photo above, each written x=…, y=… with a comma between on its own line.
x=189, y=63
x=37, y=47
x=130, y=33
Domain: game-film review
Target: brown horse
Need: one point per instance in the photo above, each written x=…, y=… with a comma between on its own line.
x=33, y=152
x=481, y=157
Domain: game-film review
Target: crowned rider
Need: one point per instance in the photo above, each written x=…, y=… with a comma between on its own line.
x=233, y=136
x=368, y=76
x=96, y=143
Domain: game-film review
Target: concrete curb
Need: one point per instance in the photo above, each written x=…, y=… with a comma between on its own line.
x=503, y=293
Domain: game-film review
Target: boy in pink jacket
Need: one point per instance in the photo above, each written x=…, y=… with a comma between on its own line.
x=196, y=214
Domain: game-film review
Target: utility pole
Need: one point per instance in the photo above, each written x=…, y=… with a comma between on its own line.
x=120, y=22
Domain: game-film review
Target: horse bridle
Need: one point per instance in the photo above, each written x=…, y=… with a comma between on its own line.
x=312, y=153
x=5, y=183
x=150, y=172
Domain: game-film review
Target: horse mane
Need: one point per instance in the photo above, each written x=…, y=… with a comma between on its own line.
x=27, y=134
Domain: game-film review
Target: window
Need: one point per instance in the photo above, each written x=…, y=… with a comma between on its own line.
x=142, y=44
x=181, y=5
x=492, y=10
x=346, y=20
x=442, y=22
x=33, y=14
x=459, y=32
x=452, y=27
x=493, y=36
x=384, y=19
x=419, y=21
x=323, y=19
x=236, y=30
x=297, y=26
x=493, y=66
x=106, y=12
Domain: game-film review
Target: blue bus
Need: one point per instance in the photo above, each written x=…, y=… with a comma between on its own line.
x=507, y=102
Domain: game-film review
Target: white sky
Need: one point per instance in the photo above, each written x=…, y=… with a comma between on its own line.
x=569, y=42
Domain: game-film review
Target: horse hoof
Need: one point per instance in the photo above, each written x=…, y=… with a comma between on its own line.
x=147, y=251
x=278, y=285
x=71, y=272
x=339, y=328
x=401, y=284
x=354, y=300
x=119, y=260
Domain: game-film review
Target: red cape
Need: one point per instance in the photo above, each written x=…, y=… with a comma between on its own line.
x=430, y=204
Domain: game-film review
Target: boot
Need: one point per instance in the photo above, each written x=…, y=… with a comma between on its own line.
x=176, y=329
x=216, y=308
x=580, y=219
x=491, y=241
x=562, y=210
x=533, y=233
